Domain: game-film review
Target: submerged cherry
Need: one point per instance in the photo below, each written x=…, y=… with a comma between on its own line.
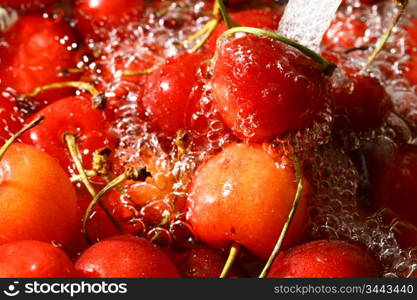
x=96, y=17
x=324, y=259
x=172, y=93
x=361, y=102
x=27, y=4
x=242, y=195
x=125, y=257
x=35, y=53
x=264, y=88
x=34, y=259
x=396, y=185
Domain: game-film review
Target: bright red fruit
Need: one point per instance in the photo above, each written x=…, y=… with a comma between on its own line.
x=324, y=259
x=242, y=195
x=361, y=102
x=71, y=115
x=396, y=185
x=264, y=88
x=172, y=93
x=52, y=40
x=34, y=259
x=125, y=257
x=10, y=120
x=37, y=200
x=95, y=17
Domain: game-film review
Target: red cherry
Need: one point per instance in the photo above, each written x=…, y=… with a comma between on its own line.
x=27, y=4
x=264, y=88
x=264, y=18
x=324, y=259
x=34, y=259
x=361, y=102
x=10, y=119
x=345, y=32
x=411, y=67
x=95, y=17
x=35, y=52
x=173, y=91
x=71, y=115
x=37, y=200
x=125, y=257
x=200, y=262
x=396, y=185
x=242, y=195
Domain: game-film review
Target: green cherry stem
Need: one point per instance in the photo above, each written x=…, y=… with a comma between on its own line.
x=401, y=6
x=129, y=174
x=326, y=66
x=11, y=140
x=226, y=18
x=234, y=251
x=97, y=98
x=298, y=194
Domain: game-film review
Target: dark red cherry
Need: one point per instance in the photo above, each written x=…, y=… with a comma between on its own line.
x=200, y=261
x=361, y=102
x=11, y=121
x=264, y=88
x=172, y=92
x=396, y=185
x=71, y=115
x=324, y=259
x=35, y=52
x=264, y=18
x=95, y=17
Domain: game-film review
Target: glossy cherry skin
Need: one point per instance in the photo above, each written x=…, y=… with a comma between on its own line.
x=37, y=200
x=361, y=102
x=264, y=88
x=27, y=4
x=125, y=257
x=264, y=18
x=71, y=115
x=172, y=92
x=345, y=32
x=11, y=122
x=242, y=195
x=52, y=41
x=95, y=17
x=396, y=185
x=34, y=259
x=324, y=259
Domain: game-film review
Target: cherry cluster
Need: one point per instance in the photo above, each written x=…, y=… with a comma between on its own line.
x=189, y=139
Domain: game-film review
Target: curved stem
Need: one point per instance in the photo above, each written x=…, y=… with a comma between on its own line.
x=70, y=140
x=326, y=66
x=75, y=84
x=141, y=72
x=129, y=174
x=401, y=5
x=287, y=224
x=89, y=173
x=234, y=251
x=226, y=18
x=10, y=141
